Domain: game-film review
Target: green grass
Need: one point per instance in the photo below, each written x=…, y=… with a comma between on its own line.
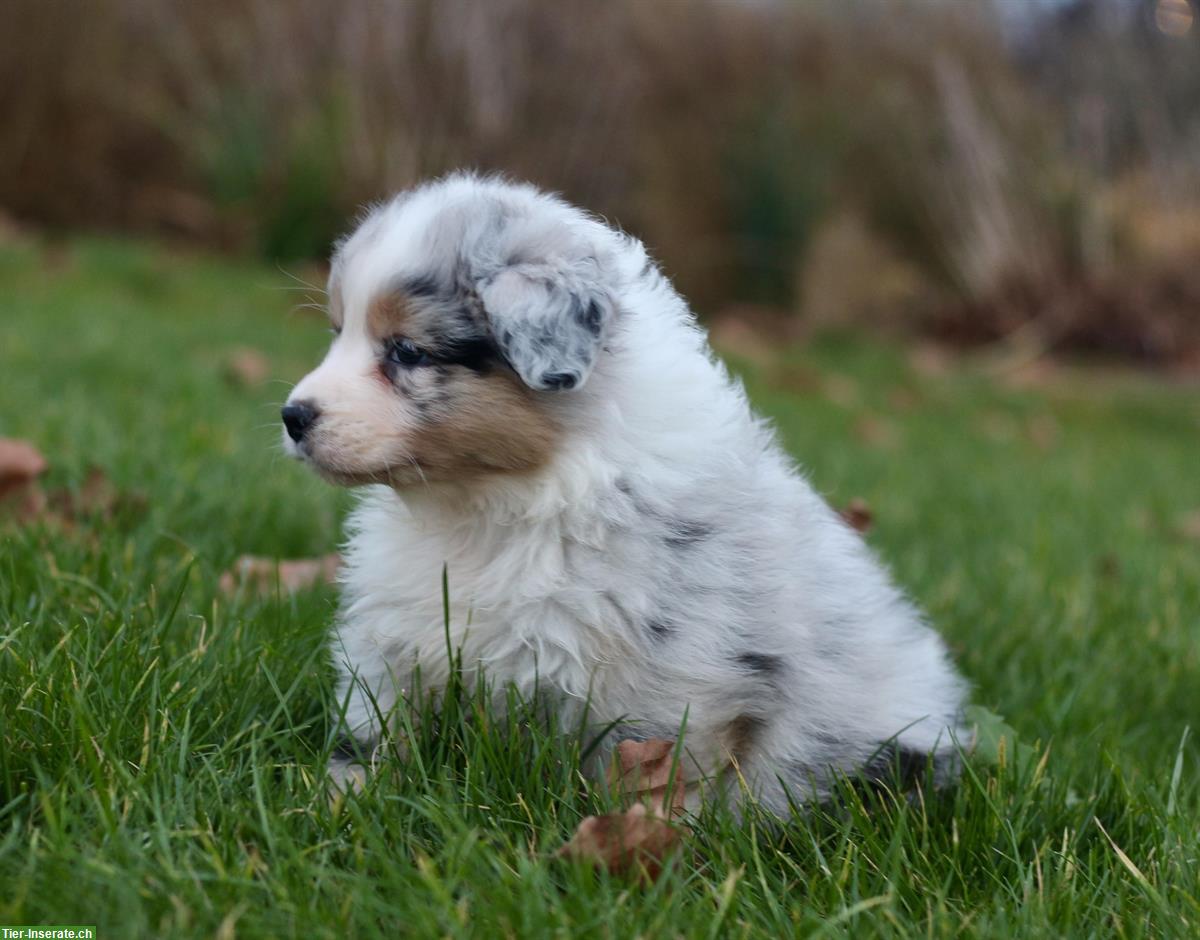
x=160, y=744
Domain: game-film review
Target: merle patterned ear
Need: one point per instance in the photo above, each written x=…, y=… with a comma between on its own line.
x=548, y=322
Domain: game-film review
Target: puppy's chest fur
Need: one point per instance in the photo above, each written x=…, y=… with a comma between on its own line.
x=596, y=611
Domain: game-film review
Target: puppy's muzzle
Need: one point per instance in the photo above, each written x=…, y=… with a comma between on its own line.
x=298, y=417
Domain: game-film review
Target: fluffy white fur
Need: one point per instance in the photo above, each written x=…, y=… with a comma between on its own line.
x=668, y=558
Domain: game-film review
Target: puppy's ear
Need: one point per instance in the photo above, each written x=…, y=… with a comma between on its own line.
x=548, y=321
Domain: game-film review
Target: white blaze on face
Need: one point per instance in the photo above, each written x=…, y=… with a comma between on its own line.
x=364, y=426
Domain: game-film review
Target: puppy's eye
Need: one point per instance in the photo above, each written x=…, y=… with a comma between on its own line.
x=404, y=352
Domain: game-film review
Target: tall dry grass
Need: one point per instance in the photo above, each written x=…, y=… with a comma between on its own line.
x=733, y=137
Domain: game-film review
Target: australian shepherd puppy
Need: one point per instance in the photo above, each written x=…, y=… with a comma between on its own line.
x=527, y=402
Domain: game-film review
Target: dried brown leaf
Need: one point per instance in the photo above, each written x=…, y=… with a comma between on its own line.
x=21, y=495
x=260, y=575
x=1043, y=431
x=648, y=770
x=636, y=841
x=25, y=503
x=793, y=377
x=247, y=367
x=857, y=514
x=20, y=464
x=25, y=500
x=1189, y=525
x=842, y=390
x=876, y=432
x=97, y=497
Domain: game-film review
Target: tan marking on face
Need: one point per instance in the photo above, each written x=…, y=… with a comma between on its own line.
x=389, y=315
x=438, y=423
x=493, y=423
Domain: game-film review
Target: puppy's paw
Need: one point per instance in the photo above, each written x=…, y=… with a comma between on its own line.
x=345, y=777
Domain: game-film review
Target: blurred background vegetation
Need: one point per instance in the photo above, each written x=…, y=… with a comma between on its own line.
x=1022, y=175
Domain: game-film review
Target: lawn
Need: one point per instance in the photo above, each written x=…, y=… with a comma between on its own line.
x=160, y=742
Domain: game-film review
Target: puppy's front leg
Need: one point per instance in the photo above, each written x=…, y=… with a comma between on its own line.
x=364, y=719
x=346, y=776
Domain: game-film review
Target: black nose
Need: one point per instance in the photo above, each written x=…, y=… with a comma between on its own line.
x=298, y=418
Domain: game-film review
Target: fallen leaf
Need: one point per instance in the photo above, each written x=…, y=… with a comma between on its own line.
x=635, y=841
x=1189, y=525
x=1043, y=431
x=259, y=575
x=638, y=839
x=857, y=514
x=842, y=390
x=26, y=500
x=96, y=498
x=20, y=466
x=247, y=367
x=644, y=769
x=876, y=432
x=794, y=377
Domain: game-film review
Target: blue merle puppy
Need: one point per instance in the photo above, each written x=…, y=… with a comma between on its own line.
x=525, y=399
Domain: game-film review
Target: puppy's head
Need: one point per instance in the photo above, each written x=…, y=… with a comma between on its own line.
x=465, y=314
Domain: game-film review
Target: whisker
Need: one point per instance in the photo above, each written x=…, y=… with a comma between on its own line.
x=301, y=281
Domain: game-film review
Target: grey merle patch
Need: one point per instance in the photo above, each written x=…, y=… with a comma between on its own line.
x=761, y=663
x=683, y=533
